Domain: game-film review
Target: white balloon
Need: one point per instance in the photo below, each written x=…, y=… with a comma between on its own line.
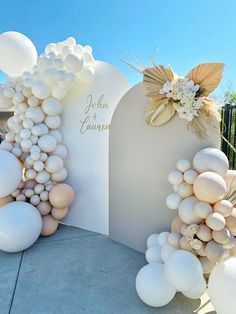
x=38, y=188
x=5, y=103
x=33, y=101
x=53, y=122
x=57, y=135
x=52, y=106
x=47, y=143
x=25, y=133
x=198, y=291
x=152, y=286
x=153, y=254
x=53, y=164
x=221, y=286
x=44, y=196
x=152, y=240
x=5, y=145
x=186, y=211
x=40, y=90
x=28, y=123
x=36, y=130
x=42, y=177
x=190, y=175
x=183, y=165
x=44, y=128
x=166, y=251
x=35, y=114
x=87, y=75
x=20, y=225
x=61, y=151
x=73, y=63
x=10, y=173
x=175, y=177
x=38, y=165
x=173, y=200
x=183, y=270
x=163, y=238
x=18, y=53
x=58, y=92
x=60, y=176
x=30, y=174
x=35, y=200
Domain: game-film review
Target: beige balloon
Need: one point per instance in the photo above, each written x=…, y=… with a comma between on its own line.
x=207, y=265
x=61, y=195
x=49, y=225
x=231, y=222
x=214, y=251
x=209, y=187
x=215, y=221
x=202, y=250
x=184, y=244
x=59, y=213
x=204, y=233
x=44, y=208
x=176, y=224
x=5, y=200
x=221, y=236
x=224, y=207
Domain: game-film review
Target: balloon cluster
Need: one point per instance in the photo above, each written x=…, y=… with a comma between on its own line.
x=202, y=233
x=34, y=134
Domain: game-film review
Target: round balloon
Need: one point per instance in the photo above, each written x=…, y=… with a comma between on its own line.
x=221, y=286
x=62, y=195
x=152, y=286
x=10, y=173
x=183, y=270
x=20, y=225
x=18, y=53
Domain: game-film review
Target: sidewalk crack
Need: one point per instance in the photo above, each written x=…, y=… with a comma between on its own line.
x=15, y=286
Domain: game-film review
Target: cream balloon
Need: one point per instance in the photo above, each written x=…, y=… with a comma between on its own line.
x=5, y=200
x=10, y=173
x=211, y=159
x=221, y=286
x=18, y=53
x=224, y=207
x=214, y=251
x=152, y=286
x=209, y=187
x=20, y=225
x=186, y=211
x=53, y=164
x=59, y=213
x=202, y=209
x=47, y=143
x=215, y=221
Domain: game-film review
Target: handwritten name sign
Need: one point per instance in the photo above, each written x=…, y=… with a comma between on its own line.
x=92, y=109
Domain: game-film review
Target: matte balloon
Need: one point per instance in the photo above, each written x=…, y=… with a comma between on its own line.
x=10, y=173
x=186, y=211
x=20, y=225
x=152, y=240
x=166, y=251
x=209, y=187
x=198, y=291
x=207, y=265
x=59, y=213
x=61, y=196
x=49, y=225
x=18, y=53
x=183, y=270
x=153, y=254
x=183, y=165
x=221, y=286
x=211, y=159
x=47, y=143
x=152, y=286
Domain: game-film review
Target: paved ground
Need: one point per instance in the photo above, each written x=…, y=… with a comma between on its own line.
x=76, y=271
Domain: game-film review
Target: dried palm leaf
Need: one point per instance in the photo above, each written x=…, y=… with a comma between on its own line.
x=207, y=75
x=159, y=112
x=154, y=78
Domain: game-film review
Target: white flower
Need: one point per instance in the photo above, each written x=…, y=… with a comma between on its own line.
x=183, y=92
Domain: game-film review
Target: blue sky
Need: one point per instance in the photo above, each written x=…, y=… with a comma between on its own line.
x=184, y=32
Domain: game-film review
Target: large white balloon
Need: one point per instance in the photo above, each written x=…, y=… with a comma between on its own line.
x=20, y=225
x=197, y=291
x=183, y=270
x=10, y=173
x=153, y=254
x=221, y=286
x=18, y=53
x=153, y=287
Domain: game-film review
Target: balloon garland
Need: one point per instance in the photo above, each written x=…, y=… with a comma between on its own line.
x=34, y=137
x=202, y=234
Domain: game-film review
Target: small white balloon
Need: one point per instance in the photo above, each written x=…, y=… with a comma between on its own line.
x=173, y=200
x=47, y=143
x=61, y=151
x=73, y=63
x=57, y=135
x=35, y=200
x=35, y=114
x=153, y=254
x=60, y=176
x=175, y=177
x=183, y=165
x=53, y=164
x=166, y=251
x=52, y=106
x=40, y=90
x=190, y=175
x=42, y=177
x=152, y=240
x=53, y=122
x=163, y=238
